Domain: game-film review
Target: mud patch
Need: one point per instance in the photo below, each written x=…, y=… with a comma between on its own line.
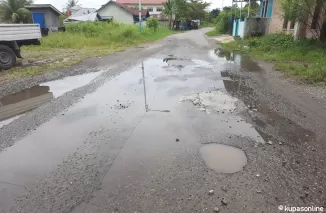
x=212, y=101
x=124, y=105
x=223, y=158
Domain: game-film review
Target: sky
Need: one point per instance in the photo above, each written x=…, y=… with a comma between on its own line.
x=60, y=4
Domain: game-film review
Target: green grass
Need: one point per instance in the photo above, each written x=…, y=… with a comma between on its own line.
x=206, y=24
x=81, y=41
x=304, y=59
x=213, y=32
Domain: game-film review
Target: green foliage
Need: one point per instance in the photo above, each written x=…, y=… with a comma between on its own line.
x=14, y=11
x=196, y=10
x=61, y=18
x=293, y=9
x=302, y=58
x=213, y=32
x=81, y=41
x=102, y=35
x=23, y=15
x=152, y=23
x=169, y=10
x=185, y=10
x=71, y=3
x=273, y=41
x=222, y=21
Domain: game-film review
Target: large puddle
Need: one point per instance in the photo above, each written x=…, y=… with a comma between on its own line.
x=14, y=105
x=223, y=158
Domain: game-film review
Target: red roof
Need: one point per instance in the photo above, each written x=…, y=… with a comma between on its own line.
x=128, y=9
x=142, y=1
x=132, y=10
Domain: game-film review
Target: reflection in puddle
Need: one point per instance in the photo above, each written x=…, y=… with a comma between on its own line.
x=18, y=103
x=223, y=158
x=13, y=105
x=60, y=87
x=243, y=61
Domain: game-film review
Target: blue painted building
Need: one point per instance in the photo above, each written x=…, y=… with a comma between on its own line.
x=270, y=20
x=45, y=15
x=272, y=11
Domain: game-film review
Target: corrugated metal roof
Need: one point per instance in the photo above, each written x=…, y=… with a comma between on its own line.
x=32, y=6
x=88, y=17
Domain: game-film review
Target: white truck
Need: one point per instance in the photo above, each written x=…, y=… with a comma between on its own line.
x=12, y=37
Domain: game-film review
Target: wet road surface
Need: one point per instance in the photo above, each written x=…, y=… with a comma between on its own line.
x=211, y=137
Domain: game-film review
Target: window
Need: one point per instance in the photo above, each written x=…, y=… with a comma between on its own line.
x=292, y=25
x=150, y=9
x=265, y=6
x=159, y=9
x=285, y=24
x=316, y=14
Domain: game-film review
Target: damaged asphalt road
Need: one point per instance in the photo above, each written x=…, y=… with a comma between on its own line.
x=221, y=134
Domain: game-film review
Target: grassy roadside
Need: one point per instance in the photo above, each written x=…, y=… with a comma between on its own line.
x=212, y=33
x=81, y=41
x=304, y=59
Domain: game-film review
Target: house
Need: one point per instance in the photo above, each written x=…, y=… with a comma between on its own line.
x=46, y=16
x=311, y=24
x=80, y=11
x=271, y=19
x=121, y=13
x=83, y=18
x=154, y=7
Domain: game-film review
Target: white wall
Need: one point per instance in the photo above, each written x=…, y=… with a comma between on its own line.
x=241, y=30
x=119, y=14
x=146, y=6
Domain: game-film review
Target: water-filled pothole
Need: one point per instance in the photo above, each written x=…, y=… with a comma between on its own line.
x=223, y=158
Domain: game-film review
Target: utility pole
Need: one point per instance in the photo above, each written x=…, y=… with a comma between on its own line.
x=249, y=9
x=140, y=19
x=240, y=9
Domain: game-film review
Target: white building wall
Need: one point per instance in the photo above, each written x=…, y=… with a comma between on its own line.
x=147, y=6
x=118, y=14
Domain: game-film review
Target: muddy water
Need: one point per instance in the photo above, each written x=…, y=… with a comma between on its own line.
x=13, y=105
x=223, y=158
x=180, y=93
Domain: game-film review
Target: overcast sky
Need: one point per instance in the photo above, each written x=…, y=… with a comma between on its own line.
x=60, y=4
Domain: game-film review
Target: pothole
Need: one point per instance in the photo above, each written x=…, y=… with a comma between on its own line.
x=223, y=158
x=212, y=101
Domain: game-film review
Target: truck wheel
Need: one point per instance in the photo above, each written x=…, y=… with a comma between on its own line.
x=7, y=57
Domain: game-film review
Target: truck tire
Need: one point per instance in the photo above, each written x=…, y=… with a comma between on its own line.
x=7, y=57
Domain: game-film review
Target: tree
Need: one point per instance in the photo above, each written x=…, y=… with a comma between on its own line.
x=169, y=10
x=308, y=13
x=214, y=13
x=71, y=3
x=196, y=9
x=254, y=8
x=14, y=11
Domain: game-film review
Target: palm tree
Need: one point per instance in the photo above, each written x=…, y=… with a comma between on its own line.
x=71, y=3
x=14, y=11
x=168, y=10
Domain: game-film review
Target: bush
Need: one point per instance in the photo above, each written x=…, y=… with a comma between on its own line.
x=102, y=34
x=152, y=23
x=303, y=58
